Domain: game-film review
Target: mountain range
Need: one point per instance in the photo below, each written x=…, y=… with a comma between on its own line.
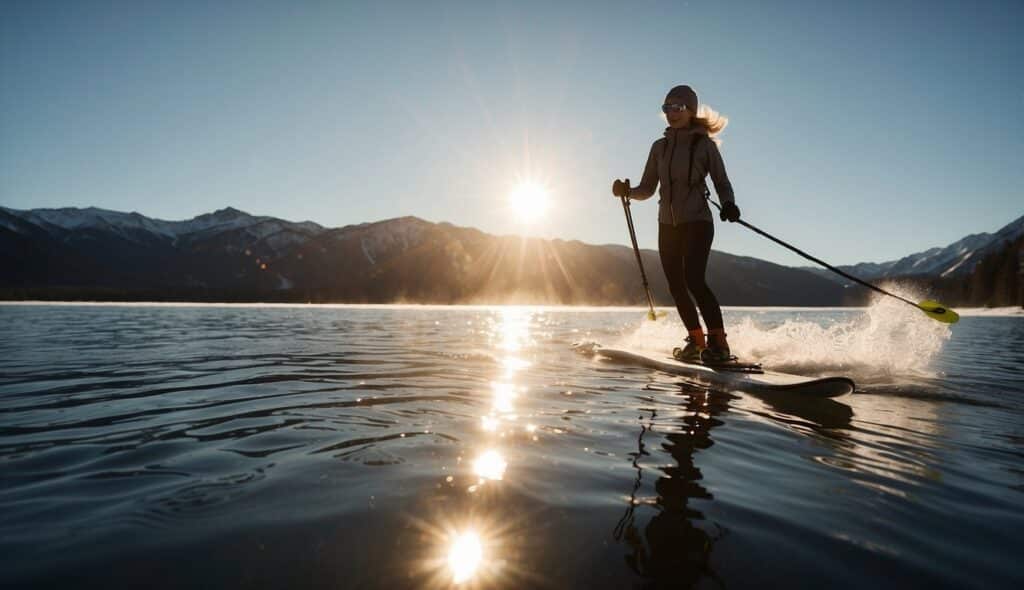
x=230, y=255
x=979, y=269
x=958, y=259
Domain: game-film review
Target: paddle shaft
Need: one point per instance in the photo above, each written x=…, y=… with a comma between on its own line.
x=636, y=250
x=813, y=259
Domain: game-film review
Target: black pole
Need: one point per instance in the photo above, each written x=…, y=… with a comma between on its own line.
x=823, y=263
x=636, y=250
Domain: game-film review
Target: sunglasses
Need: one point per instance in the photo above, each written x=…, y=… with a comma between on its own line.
x=673, y=108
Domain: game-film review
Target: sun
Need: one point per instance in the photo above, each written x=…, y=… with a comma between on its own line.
x=529, y=201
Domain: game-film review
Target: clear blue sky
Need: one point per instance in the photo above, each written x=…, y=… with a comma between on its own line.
x=858, y=131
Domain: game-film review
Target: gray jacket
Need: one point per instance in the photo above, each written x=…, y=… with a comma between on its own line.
x=668, y=165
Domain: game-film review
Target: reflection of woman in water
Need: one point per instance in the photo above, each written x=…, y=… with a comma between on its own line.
x=676, y=552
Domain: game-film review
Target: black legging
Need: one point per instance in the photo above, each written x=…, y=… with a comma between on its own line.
x=684, y=250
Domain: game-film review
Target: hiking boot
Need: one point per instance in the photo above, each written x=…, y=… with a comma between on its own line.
x=716, y=354
x=690, y=353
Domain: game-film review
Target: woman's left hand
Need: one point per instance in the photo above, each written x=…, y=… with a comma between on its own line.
x=730, y=212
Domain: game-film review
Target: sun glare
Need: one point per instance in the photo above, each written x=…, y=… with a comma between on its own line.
x=529, y=201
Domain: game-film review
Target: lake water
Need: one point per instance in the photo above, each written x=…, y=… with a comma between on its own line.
x=391, y=447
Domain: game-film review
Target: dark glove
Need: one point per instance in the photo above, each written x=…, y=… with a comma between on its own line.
x=620, y=188
x=730, y=212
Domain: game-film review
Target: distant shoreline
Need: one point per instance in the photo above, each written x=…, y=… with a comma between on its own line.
x=966, y=311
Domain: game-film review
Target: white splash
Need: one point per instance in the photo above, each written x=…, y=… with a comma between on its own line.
x=888, y=338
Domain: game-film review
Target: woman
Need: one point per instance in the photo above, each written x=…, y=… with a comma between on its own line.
x=680, y=161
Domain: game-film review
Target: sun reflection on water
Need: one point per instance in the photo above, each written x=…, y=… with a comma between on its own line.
x=464, y=556
x=490, y=465
x=489, y=423
x=469, y=541
x=512, y=366
x=513, y=329
x=504, y=397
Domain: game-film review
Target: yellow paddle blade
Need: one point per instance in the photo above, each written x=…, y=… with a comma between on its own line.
x=654, y=316
x=938, y=311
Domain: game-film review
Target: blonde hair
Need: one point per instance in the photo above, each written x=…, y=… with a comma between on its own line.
x=712, y=121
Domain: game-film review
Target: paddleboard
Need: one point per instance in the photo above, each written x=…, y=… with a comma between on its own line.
x=761, y=382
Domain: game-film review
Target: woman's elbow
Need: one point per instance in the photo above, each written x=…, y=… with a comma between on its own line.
x=641, y=193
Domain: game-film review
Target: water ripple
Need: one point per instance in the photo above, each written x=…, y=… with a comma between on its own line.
x=198, y=423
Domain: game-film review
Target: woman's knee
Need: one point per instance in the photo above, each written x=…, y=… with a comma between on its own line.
x=679, y=288
x=695, y=279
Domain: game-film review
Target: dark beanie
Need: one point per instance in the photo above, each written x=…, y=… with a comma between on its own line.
x=688, y=96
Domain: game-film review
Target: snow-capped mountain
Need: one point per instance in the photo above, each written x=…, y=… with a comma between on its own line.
x=958, y=259
x=70, y=218
x=131, y=225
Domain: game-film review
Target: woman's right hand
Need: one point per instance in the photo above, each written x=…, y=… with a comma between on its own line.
x=620, y=188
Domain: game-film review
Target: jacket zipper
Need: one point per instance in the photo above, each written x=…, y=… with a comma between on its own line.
x=671, y=185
